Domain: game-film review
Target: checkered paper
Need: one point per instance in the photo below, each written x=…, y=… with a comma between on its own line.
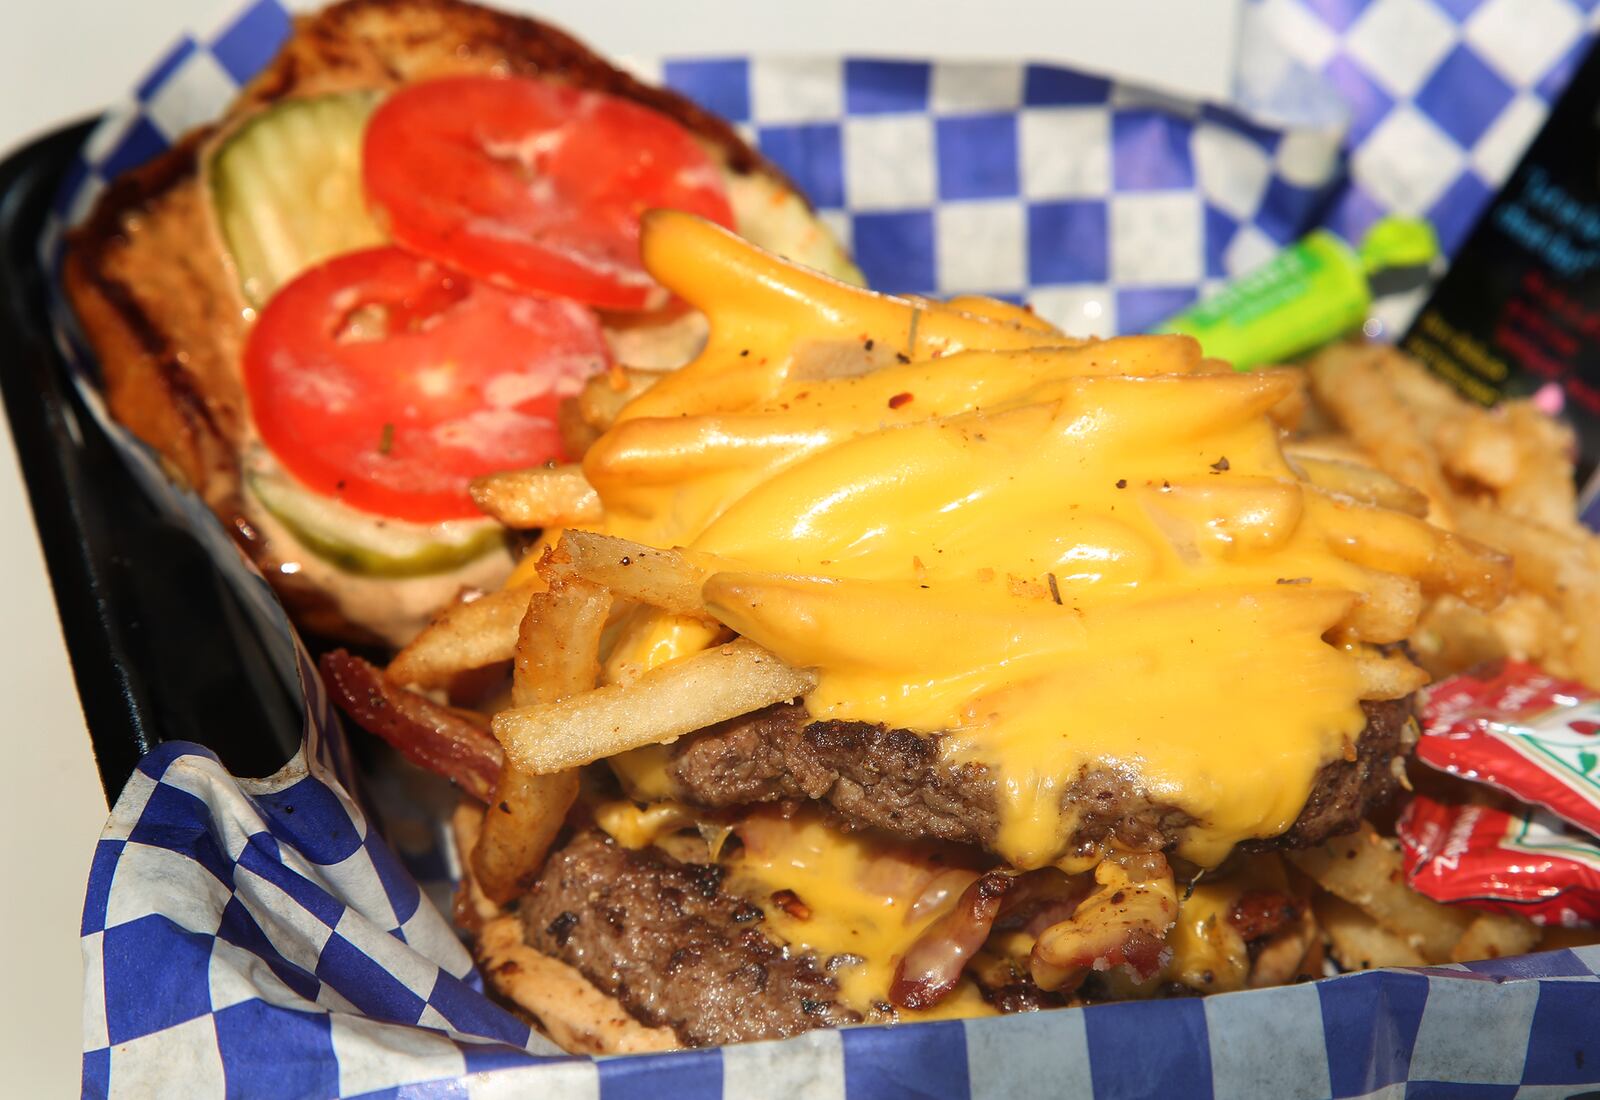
x=263, y=938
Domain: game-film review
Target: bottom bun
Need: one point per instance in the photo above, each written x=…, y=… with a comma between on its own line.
x=575, y=1015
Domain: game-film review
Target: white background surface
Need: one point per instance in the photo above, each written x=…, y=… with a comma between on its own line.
x=67, y=58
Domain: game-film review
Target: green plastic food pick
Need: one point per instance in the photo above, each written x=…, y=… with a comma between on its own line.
x=1314, y=291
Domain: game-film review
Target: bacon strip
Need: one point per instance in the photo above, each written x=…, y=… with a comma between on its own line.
x=1261, y=913
x=930, y=969
x=1124, y=922
x=449, y=742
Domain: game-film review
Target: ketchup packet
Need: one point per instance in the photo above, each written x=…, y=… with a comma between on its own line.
x=1537, y=738
x=1521, y=861
x=1527, y=733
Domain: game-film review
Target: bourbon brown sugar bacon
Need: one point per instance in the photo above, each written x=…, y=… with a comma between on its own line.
x=444, y=740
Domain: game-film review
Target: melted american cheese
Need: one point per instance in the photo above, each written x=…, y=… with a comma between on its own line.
x=860, y=915
x=860, y=896
x=1060, y=556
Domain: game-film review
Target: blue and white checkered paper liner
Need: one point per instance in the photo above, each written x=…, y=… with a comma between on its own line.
x=261, y=938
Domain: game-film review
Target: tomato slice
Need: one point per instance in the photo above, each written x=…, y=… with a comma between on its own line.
x=534, y=185
x=388, y=381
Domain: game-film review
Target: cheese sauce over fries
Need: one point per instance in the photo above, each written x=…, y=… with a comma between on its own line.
x=1060, y=556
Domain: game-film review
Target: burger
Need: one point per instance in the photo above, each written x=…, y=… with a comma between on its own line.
x=408, y=183
x=935, y=665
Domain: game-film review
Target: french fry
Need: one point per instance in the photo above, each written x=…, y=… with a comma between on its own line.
x=1394, y=542
x=577, y=434
x=519, y=826
x=1546, y=559
x=1544, y=489
x=1365, y=870
x=1529, y=628
x=1432, y=401
x=668, y=701
x=997, y=310
x=1562, y=566
x=1478, y=447
x=558, y=643
x=1325, y=444
x=1358, y=942
x=1453, y=636
x=1387, y=675
x=667, y=579
x=1359, y=482
x=1283, y=957
x=1348, y=381
x=604, y=395
x=545, y=496
x=815, y=360
x=1494, y=936
x=1388, y=610
x=466, y=635
x=557, y=655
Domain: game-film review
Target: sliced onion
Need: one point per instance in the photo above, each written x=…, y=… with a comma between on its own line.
x=932, y=967
x=938, y=892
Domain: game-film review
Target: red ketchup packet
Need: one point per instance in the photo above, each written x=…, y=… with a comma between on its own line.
x=1537, y=738
x=1524, y=861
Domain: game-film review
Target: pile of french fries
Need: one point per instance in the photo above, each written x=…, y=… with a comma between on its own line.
x=558, y=719
x=1366, y=428
x=1504, y=478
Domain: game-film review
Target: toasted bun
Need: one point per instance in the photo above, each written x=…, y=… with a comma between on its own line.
x=564, y=1005
x=150, y=283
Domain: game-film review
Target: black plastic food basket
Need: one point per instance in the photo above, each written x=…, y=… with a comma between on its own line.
x=162, y=646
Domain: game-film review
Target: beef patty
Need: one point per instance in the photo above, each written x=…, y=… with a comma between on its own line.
x=675, y=949
x=894, y=779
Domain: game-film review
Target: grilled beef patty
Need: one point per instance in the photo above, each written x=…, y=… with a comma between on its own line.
x=894, y=780
x=676, y=950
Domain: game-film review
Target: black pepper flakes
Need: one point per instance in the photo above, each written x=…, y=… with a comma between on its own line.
x=1220, y=466
x=561, y=928
x=744, y=353
x=626, y=560
x=901, y=357
x=1055, y=589
x=505, y=807
x=1294, y=580
x=1122, y=483
x=869, y=344
x=900, y=399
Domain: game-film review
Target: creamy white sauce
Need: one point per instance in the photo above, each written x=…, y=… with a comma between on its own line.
x=394, y=608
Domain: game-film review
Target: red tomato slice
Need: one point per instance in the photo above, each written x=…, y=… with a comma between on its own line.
x=534, y=185
x=388, y=381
